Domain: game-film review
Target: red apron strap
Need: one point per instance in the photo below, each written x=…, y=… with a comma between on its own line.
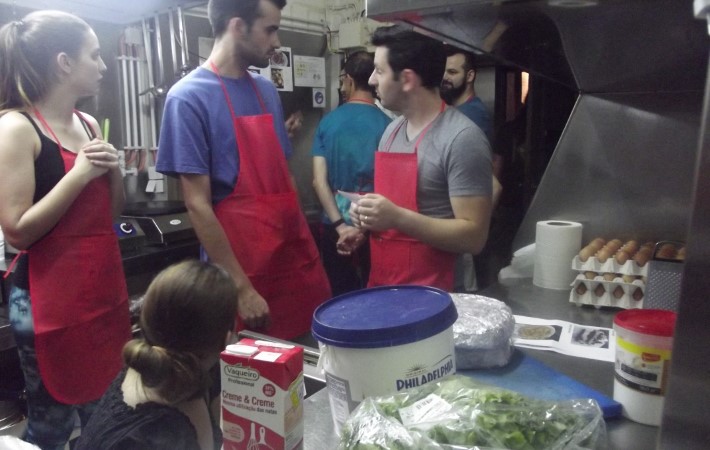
x=83, y=118
x=48, y=128
x=226, y=94
x=390, y=140
x=13, y=264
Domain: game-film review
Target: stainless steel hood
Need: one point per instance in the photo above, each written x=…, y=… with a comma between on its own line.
x=590, y=45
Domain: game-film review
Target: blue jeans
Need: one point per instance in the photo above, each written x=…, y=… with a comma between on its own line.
x=50, y=423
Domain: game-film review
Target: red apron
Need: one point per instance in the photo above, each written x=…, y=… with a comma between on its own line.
x=266, y=229
x=78, y=294
x=396, y=257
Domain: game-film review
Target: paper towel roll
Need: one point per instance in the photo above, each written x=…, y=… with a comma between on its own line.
x=556, y=244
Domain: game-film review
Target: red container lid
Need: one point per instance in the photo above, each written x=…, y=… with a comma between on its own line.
x=656, y=322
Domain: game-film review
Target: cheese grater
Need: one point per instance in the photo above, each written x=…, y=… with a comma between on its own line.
x=664, y=281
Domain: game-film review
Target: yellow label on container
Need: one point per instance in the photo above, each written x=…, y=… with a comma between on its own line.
x=641, y=368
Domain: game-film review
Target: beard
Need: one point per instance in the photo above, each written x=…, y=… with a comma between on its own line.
x=260, y=62
x=449, y=93
x=252, y=56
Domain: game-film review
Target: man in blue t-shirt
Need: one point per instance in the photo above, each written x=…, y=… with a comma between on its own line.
x=457, y=89
x=223, y=134
x=343, y=159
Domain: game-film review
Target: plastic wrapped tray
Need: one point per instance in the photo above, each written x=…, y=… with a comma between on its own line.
x=483, y=332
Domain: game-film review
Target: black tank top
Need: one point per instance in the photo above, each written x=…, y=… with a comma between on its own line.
x=49, y=169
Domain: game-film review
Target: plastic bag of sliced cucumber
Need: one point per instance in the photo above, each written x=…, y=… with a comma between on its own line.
x=460, y=413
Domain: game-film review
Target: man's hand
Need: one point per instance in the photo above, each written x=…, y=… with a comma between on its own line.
x=374, y=212
x=252, y=309
x=350, y=239
x=294, y=123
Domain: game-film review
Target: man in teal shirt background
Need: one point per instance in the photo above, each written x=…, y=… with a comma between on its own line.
x=343, y=159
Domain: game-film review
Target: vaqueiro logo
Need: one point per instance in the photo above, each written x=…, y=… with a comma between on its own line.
x=419, y=377
x=238, y=371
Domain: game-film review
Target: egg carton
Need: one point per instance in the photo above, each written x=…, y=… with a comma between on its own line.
x=592, y=288
x=592, y=264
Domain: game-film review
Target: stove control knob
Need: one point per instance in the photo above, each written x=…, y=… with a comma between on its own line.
x=127, y=228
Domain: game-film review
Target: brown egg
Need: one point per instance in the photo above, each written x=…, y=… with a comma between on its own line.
x=621, y=256
x=619, y=292
x=586, y=253
x=638, y=294
x=613, y=245
x=666, y=251
x=598, y=243
x=609, y=276
x=628, y=278
x=599, y=290
x=643, y=255
x=649, y=244
x=581, y=289
x=603, y=254
x=630, y=247
x=590, y=275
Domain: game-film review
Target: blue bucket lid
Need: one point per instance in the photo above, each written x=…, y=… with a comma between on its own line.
x=384, y=316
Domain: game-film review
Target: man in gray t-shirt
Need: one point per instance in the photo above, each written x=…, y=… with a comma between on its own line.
x=432, y=197
x=454, y=160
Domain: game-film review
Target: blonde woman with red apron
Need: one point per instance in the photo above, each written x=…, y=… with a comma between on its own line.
x=61, y=186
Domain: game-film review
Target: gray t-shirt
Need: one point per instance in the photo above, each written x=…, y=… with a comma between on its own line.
x=454, y=160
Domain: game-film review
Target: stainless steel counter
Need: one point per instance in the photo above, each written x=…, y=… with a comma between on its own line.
x=528, y=300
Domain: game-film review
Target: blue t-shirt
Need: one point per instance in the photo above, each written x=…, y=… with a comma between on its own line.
x=197, y=135
x=475, y=110
x=347, y=138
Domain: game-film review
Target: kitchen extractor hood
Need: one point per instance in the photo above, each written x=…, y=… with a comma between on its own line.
x=111, y=11
x=589, y=45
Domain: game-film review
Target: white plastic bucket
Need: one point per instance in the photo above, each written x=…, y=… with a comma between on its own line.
x=644, y=340
x=382, y=340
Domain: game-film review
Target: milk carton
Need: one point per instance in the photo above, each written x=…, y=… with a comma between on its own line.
x=262, y=396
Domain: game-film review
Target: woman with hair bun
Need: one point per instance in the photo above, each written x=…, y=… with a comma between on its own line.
x=61, y=187
x=160, y=400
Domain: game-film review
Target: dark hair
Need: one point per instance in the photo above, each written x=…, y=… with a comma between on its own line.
x=28, y=50
x=220, y=12
x=469, y=59
x=359, y=67
x=411, y=50
x=186, y=314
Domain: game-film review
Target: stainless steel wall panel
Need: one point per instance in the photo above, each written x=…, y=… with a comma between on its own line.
x=621, y=168
x=633, y=46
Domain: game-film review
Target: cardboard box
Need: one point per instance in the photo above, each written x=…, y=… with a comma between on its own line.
x=262, y=396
